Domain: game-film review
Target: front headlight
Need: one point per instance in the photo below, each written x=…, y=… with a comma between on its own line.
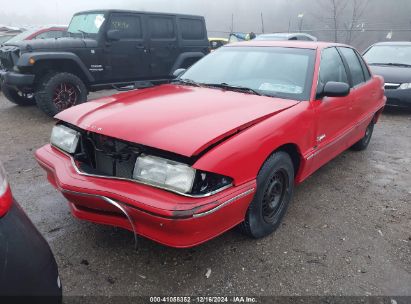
x=164, y=173
x=404, y=86
x=65, y=138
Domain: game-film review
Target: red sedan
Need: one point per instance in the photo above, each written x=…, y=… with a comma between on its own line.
x=222, y=146
x=39, y=33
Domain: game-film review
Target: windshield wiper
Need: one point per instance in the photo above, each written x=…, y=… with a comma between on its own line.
x=392, y=64
x=225, y=85
x=187, y=81
x=83, y=33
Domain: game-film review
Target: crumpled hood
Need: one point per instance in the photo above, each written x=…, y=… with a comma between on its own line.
x=180, y=119
x=54, y=44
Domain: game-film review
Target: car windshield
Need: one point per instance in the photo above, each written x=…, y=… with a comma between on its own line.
x=22, y=36
x=86, y=24
x=389, y=54
x=272, y=71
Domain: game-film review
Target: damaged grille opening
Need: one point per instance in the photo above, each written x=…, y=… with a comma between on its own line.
x=8, y=57
x=102, y=155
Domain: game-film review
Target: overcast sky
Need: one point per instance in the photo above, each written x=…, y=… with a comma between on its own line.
x=217, y=12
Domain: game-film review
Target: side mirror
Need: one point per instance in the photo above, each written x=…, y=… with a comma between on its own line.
x=335, y=89
x=113, y=35
x=177, y=73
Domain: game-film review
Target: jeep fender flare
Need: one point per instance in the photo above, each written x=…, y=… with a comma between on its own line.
x=184, y=56
x=24, y=60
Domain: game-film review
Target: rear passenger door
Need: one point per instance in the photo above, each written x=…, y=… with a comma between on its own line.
x=126, y=58
x=163, y=44
x=362, y=93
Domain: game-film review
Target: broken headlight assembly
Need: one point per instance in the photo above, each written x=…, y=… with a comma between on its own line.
x=65, y=138
x=177, y=177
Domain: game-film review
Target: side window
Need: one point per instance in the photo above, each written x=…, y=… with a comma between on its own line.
x=161, y=27
x=192, y=29
x=354, y=65
x=129, y=26
x=331, y=67
x=365, y=69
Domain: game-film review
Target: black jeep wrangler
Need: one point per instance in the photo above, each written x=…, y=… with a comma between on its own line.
x=103, y=49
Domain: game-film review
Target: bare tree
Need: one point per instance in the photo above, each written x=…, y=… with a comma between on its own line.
x=358, y=9
x=336, y=10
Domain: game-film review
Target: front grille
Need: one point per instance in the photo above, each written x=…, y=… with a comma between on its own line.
x=391, y=86
x=6, y=61
x=106, y=156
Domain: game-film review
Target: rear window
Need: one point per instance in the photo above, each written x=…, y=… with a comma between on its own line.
x=192, y=29
x=162, y=27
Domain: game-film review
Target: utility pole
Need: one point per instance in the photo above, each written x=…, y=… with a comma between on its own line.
x=262, y=23
x=232, y=23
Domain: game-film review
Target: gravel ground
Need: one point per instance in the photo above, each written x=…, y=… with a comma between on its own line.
x=347, y=231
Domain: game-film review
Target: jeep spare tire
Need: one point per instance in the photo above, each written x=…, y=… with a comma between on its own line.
x=17, y=97
x=59, y=91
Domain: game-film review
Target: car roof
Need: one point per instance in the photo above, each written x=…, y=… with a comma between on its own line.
x=287, y=43
x=134, y=12
x=405, y=43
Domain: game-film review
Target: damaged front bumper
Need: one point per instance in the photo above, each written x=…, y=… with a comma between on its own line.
x=162, y=216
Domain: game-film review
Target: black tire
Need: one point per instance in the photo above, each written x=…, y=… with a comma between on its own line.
x=59, y=91
x=362, y=144
x=275, y=185
x=18, y=97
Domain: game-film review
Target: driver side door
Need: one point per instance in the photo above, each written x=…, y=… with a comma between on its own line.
x=332, y=117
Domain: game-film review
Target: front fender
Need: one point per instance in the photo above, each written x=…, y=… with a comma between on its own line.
x=241, y=156
x=24, y=60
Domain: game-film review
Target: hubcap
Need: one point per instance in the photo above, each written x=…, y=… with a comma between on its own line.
x=274, y=196
x=65, y=96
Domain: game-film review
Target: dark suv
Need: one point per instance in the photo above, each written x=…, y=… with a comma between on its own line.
x=103, y=49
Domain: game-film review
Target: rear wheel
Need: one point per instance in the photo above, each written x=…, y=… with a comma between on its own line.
x=362, y=144
x=275, y=184
x=18, y=97
x=59, y=91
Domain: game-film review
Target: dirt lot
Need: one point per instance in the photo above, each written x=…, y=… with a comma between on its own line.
x=347, y=232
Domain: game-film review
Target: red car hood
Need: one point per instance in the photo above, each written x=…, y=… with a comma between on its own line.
x=180, y=119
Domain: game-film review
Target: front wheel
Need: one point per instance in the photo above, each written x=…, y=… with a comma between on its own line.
x=59, y=91
x=275, y=185
x=362, y=144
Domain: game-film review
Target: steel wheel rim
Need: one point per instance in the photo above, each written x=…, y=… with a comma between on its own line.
x=273, y=198
x=65, y=96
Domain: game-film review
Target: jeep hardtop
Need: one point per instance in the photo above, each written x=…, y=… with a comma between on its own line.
x=102, y=49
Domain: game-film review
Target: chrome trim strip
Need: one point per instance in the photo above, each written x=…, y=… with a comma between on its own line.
x=197, y=215
x=113, y=203
x=330, y=144
x=390, y=84
x=138, y=181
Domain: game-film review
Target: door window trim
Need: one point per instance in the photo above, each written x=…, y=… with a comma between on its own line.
x=319, y=69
